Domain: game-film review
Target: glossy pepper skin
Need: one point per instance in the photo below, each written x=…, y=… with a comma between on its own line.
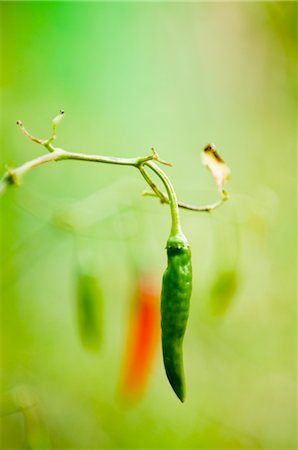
x=175, y=297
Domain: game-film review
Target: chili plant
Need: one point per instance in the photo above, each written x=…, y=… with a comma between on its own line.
x=177, y=279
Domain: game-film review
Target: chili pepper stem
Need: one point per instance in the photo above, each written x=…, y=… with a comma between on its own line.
x=172, y=199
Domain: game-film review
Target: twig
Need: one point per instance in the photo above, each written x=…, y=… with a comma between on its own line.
x=206, y=208
x=14, y=176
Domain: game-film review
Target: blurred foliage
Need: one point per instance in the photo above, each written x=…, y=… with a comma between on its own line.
x=130, y=76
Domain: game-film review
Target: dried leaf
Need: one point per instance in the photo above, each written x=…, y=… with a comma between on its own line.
x=218, y=168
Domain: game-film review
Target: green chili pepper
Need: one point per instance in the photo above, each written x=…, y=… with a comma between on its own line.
x=175, y=296
x=89, y=310
x=223, y=291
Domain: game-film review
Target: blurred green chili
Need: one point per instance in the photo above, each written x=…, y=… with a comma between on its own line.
x=89, y=310
x=223, y=291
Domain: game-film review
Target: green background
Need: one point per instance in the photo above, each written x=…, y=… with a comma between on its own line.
x=131, y=76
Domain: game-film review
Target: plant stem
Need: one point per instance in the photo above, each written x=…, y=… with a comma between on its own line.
x=206, y=208
x=156, y=192
x=134, y=162
x=13, y=176
x=172, y=198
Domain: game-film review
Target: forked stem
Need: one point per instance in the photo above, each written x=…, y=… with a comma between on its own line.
x=172, y=198
x=14, y=176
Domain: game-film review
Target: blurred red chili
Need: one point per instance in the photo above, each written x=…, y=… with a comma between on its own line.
x=142, y=339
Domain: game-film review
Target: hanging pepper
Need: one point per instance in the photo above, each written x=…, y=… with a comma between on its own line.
x=142, y=339
x=89, y=310
x=223, y=291
x=175, y=297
